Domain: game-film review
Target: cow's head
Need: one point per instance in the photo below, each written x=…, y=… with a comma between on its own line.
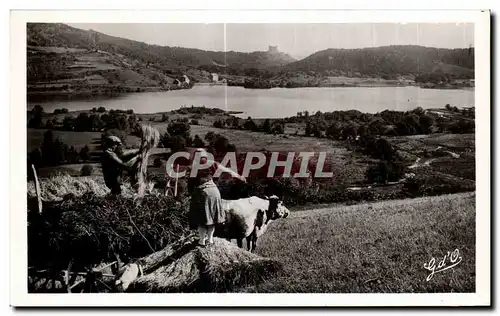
x=276, y=209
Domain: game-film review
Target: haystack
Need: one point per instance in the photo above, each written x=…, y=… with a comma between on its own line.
x=187, y=267
x=91, y=229
x=150, y=137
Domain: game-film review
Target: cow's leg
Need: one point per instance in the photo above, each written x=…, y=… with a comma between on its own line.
x=240, y=242
x=249, y=242
x=254, y=243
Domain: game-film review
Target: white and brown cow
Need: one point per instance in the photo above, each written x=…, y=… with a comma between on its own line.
x=249, y=218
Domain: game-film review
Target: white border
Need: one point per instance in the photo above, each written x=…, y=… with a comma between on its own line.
x=18, y=273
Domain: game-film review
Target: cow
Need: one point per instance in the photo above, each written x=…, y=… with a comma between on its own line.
x=249, y=218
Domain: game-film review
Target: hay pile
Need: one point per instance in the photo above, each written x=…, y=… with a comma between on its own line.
x=91, y=229
x=58, y=188
x=186, y=267
x=150, y=137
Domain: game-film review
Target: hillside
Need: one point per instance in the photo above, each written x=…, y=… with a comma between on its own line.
x=387, y=61
x=70, y=61
x=162, y=57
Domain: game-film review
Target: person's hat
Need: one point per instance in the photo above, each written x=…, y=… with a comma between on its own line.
x=114, y=140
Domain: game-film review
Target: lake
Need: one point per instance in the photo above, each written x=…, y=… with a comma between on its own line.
x=277, y=102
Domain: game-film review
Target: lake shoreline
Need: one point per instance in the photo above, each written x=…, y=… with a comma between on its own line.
x=47, y=96
x=268, y=103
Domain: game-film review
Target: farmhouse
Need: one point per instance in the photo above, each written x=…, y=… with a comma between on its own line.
x=215, y=77
x=184, y=80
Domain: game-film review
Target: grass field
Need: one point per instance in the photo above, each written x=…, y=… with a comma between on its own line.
x=380, y=247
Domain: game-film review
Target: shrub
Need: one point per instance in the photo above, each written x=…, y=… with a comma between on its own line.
x=179, y=129
x=86, y=170
x=195, y=122
x=463, y=126
x=250, y=125
x=278, y=128
x=218, y=124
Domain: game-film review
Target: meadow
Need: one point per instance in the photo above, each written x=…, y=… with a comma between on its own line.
x=373, y=248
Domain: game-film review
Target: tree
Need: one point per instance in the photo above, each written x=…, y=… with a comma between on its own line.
x=84, y=153
x=220, y=145
x=385, y=171
x=35, y=117
x=198, y=142
x=177, y=143
x=308, y=129
x=82, y=123
x=72, y=155
x=462, y=127
x=266, y=126
x=363, y=131
x=35, y=157
x=47, y=147
x=101, y=109
x=426, y=122
x=349, y=132
x=219, y=124
x=385, y=150
x=250, y=125
x=165, y=140
x=53, y=150
x=68, y=123
x=179, y=129
x=236, y=122
x=49, y=124
x=333, y=131
x=412, y=123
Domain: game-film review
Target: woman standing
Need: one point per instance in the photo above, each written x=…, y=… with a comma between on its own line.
x=206, y=203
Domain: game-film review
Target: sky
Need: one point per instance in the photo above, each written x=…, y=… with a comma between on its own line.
x=298, y=39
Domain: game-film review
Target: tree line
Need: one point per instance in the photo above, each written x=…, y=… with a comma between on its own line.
x=98, y=120
x=54, y=152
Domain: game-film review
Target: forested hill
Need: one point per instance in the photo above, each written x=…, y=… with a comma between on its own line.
x=387, y=60
x=173, y=58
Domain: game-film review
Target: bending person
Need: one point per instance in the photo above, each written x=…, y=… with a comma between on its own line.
x=115, y=161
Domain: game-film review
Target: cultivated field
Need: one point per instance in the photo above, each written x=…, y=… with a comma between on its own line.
x=380, y=247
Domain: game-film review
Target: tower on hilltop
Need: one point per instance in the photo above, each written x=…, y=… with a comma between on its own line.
x=273, y=49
